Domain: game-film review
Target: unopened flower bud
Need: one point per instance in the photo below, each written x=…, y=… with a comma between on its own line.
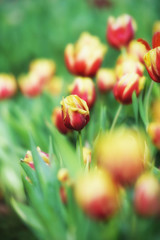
x=75, y=112
x=147, y=195
x=85, y=56
x=120, y=31
x=8, y=86
x=85, y=89
x=63, y=175
x=57, y=120
x=124, y=88
x=97, y=195
x=105, y=79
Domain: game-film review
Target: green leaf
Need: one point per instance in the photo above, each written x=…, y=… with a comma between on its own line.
x=142, y=110
x=135, y=106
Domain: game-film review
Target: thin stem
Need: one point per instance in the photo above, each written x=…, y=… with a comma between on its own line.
x=147, y=102
x=80, y=147
x=116, y=117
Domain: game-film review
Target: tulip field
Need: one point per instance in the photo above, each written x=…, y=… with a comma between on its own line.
x=80, y=120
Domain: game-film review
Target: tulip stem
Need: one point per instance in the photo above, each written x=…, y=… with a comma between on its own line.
x=80, y=147
x=116, y=117
x=147, y=102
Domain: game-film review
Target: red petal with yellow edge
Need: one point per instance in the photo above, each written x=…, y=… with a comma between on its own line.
x=145, y=43
x=156, y=40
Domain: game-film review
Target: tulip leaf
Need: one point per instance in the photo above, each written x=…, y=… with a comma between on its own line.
x=135, y=106
x=142, y=110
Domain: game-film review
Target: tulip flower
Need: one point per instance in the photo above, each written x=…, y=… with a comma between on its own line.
x=156, y=27
x=137, y=49
x=120, y=31
x=8, y=86
x=75, y=112
x=105, y=79
x=147, y=195
x=30, y=85
x=124, y=88
x=128, y=64
x=85, y=89
x=123, y=153
x=85, y=56
x=97, y=195
x=29, y=159
x=57, y=120
x=44, y=68
x=54, y=86
x=154, y=133
x=152, y=57
x=63, y=175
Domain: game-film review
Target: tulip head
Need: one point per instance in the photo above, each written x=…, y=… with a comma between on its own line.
x=97, y=195
x=28, y=159
x=120, y=31
x=154, y=133
x=44, y=68
x=123, y=153
x=54, y=86
x=124, y=88
x=128, y=64
x=85, y=56
x=105, y=79
x=30, y=85
x=137, y=49
x=85, y=89
x=57, y=120
x=63, y=175
x=147, y=195
x=75, y=112
x=8, y=86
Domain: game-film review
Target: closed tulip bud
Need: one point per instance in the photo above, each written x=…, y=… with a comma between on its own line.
x=57, y=120
x=128, y=64
x=147, y=195
x=85, y=89
x=156, y=27
x=137, y=49
x=75, y=112
x=86, y=155
x=129, y=159
x=30, y=85
x=44, y=68
x=120, y=31
x=97, y=195
x=124, y=88
x=8, y=86
x=29, y=159
x=85, y=57
x=105, y=79
x=63, y=175
x=54, y=86
x=154, y=133
x=155, y=110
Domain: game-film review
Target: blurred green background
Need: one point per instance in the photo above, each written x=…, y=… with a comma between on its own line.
x=31, y=29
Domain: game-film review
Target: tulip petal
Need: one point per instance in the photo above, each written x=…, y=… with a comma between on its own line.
x=156, y=40
x=145, y=43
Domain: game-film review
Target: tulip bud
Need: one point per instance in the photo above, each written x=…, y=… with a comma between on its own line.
x=105, y=79
x=156, y=27
x=85, y=57
x=86, y=155
x=63, y=195
x=29, y=159
x=63, y=175
x=120, y=31
x=128, y=64
x=8, y=86
x=84, y=88
x=137, y=49
x=97, y=195
x=44, y=68
x=155, y=110
x=30, y=85
x=57, y=120
x=154, y=133
x=129, y=159
x=54, y=86
x=147, y=195
x=75, y=112
x=124, y=88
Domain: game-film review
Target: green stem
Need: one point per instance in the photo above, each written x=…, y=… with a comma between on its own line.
x=123, y=51
x=80, y=147
x=116, y=117
x=147, y=102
